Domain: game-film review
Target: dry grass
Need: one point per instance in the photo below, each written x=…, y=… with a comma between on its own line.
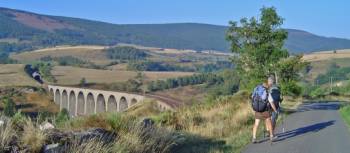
x=39, y=102
x=321, y=67
x=7, y=133
x=147, y=140
x=14, y=75
x=67, y=75
x=91, y=146
x=220, y=120
x=188, y=95
x=32, y=138
x=94, y=54
x=326, y=55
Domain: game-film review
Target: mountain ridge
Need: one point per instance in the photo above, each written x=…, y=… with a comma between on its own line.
x=33, y=30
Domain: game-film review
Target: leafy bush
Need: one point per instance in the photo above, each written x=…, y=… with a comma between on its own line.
x=126, y=53
x=291, y=88
x=4, y=59
x=156, y=66
x=10, y=107
x=44, y=69
x=208, y=78
x=62, y=116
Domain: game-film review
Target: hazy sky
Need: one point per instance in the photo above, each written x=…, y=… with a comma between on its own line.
x=327, y=18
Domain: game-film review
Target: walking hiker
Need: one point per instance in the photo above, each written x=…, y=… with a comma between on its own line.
x=260, y=106
x=276, y=97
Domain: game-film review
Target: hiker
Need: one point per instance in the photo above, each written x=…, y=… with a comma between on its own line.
x=276, y=98
x=260, y=106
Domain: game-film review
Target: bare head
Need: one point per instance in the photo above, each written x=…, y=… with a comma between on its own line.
x=271, y=80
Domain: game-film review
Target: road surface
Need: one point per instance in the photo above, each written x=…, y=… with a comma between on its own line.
x=314, y=128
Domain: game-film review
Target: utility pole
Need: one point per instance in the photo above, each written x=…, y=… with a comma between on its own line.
x=331, y=80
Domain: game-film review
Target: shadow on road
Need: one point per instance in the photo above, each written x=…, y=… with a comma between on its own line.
x=303, y=130
x=318, y=106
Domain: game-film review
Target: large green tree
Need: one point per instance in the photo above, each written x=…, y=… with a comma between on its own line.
x=258, y=47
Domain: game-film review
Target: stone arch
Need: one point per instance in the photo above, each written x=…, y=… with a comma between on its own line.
x=112, y=104
x=51, y=92
x=123, y=104
x=101, y=104
x=90, y=104
x=133, y=101
x=64, y=99
x=57, y=97
x=72, y=103
x=81, y=104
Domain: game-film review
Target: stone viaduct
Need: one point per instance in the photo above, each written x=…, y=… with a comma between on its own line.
x=81, y=101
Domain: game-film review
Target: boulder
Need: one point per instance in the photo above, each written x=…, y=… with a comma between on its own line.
x=46, y=126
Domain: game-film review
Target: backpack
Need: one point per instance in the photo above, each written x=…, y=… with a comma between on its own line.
x=276, y=96
x=259, y=103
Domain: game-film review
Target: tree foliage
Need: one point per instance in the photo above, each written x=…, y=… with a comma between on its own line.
x=9, y=107
x=208, y=78
x=126, y=53
x=258, y=46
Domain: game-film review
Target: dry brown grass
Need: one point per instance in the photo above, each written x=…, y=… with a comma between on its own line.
x=188, y=94
x=94, y=54
x=220, y=120
x=32, y=137
x=39, y=102
x=7, y=133
x=91, y=146
x=14, y=75
x=326, y=55
x=67, y=75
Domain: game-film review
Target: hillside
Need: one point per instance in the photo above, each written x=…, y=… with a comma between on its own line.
x=14, y=75
x=22, y=30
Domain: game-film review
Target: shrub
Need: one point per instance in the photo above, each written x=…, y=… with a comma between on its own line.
x=91, y=146
x=19, y=119
x=44, y=116
x=7, y=134
x=32, y=138
x=318, y=92
x=291, y=88
x=62, y=116
x=10, y=107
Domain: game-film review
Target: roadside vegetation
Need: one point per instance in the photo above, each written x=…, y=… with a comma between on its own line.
x=345, y=114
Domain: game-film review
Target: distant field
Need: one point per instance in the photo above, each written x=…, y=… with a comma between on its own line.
x=67, y=75
x=90, y=53
x=321, y=66
x=326, y=55
x=96, y=55
x=187, y=95
x=14, y=75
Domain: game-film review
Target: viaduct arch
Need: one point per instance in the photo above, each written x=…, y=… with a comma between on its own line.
x=81, y=101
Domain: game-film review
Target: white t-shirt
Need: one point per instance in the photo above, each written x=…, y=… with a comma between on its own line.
x=269, y=98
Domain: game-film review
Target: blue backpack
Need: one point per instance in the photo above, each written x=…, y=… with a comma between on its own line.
x=259, y=99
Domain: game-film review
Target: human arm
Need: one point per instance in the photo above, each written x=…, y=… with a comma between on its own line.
x=273, y=106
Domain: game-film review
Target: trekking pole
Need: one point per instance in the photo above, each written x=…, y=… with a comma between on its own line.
x=283, y=129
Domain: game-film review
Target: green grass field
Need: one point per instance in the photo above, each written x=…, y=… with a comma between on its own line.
x=345, y=113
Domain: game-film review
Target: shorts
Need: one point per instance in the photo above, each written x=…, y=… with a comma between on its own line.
x=262, y=115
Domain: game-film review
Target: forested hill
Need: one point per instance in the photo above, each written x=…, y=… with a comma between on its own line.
x=20, y=30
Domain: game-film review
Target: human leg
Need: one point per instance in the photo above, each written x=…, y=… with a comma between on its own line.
x=255, y=128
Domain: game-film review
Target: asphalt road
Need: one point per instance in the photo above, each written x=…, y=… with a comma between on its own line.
x=315, y=128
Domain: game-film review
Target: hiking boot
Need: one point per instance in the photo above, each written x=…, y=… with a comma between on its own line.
x=273, y=139
x=254, y=140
